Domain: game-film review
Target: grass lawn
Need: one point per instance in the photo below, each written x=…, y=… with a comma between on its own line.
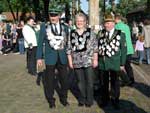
x=20, y=94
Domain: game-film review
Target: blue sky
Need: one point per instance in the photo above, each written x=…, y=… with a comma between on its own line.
x=84, y=6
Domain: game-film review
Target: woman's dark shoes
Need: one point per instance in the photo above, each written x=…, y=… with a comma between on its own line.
x=132, y=81
x=52, y=106
x=64, y=103
x=80, y=104
x=88, y=105
x=104, y=104
x=33, y=73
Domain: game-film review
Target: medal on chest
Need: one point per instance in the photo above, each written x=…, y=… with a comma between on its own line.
x=56, y=42
x=108, y=47
x=79, y=42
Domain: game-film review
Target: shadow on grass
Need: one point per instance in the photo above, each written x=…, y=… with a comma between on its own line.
x=125, y=107
x=143, y=88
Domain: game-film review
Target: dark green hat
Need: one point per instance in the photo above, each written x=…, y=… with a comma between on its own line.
x=54, y=10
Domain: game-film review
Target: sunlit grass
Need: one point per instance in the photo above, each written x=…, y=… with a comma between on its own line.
x=20, y=94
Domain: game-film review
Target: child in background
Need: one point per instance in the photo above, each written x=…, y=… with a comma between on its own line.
x=139, y=48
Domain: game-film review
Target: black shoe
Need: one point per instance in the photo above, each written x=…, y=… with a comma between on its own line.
x=64, y=103
x=88, y=105
x=132, y=80
x=131, y=83
x=52, y=106
x=80, y=104
x=35, y=74
x=32, y=73
x=122, y=84
x=103, y=104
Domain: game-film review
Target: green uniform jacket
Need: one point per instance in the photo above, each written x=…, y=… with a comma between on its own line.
x=50, y=55
x=125, y=28
x=115, y=61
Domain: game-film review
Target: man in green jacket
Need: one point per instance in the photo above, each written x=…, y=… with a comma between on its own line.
x=120, y=25
x=112, y=57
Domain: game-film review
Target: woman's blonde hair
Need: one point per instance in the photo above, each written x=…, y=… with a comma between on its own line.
x=80, y=15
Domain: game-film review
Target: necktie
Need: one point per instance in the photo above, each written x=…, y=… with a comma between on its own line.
x=108, y=35
x=55, y=29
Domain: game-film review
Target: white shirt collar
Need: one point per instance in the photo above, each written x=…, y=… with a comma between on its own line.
x=57, y=26
x=111, y=33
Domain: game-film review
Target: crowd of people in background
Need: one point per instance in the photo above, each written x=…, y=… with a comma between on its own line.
x=140, y=39
x=81, y=50
x=12, y=39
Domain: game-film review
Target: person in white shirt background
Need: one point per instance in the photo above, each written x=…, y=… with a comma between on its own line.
x=30, y=42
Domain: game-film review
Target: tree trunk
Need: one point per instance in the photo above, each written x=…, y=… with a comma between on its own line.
x=37, y=10
x=9, y=4
x=46, y=5
x=67, y=12
x=94, y=13
x=17, y=14
x=148, y=3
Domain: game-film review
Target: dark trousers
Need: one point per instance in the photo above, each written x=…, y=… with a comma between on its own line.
x=73, y=86
x=114, y=83
x=31, y=60
x=50, y=81
x=85, y=83
x=72, y=83
x=6, y=46
x=129, y=69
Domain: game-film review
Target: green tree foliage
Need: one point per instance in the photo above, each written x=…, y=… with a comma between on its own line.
x=125, y=6
x=14, y=6
x=39, y=7
x=1, y=8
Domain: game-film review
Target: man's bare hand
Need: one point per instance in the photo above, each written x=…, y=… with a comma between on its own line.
x=40, y=62
x=122, y=68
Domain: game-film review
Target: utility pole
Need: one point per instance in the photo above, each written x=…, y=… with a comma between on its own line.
x=94, y=18
x=104, y=7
